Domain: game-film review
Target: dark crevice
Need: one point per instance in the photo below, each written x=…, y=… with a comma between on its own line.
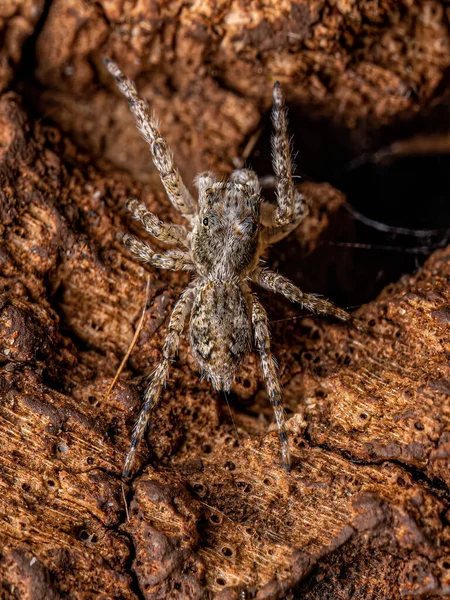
x=396, y=182
x=134, y=587
x=435, y=486
x=120, y=528
x=27, y=65
x=101, y=10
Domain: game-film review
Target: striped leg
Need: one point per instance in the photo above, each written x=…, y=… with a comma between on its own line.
x=281, y=161
x=277, y=283
x=166, y=232
x=159, y=376
x=262, y=342
x=175, y=260
x=162, y=157
x=273, y=233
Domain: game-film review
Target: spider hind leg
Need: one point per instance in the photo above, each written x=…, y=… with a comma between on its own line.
x=262, y=342
x=153, y=392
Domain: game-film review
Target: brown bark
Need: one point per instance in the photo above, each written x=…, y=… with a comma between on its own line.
x=365, y=511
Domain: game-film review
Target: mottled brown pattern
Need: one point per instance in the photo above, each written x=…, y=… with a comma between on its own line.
x=363, y=513
x=230, y=228
x=219, y=330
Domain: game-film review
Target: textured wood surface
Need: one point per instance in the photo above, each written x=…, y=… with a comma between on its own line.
x=211, y=513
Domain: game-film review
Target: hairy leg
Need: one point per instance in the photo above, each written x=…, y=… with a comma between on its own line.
x=166, y=232
x=281, y=161
x=277, y=283
x=162, y=157
x=175, y=260
x=272, y=233
x=262, y=342
x=159, y=376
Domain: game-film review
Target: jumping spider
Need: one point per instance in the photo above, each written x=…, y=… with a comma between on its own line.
x=229, y=228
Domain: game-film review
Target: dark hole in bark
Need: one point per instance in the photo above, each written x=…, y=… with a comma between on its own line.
x=397, y=203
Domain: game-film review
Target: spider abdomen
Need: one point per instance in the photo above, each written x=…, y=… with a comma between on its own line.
x=220, y=330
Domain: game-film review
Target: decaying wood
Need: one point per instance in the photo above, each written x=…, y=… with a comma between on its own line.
x=364, y=513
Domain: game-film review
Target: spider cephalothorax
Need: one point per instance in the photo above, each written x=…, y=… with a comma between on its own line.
x=229, y=228
x=225, y=232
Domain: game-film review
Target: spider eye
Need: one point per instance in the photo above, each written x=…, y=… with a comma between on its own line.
x=205, y=221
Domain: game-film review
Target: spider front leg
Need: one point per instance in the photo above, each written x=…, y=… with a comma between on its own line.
x=272, y=233
x=159, y=377
x=289, y=205
x=292, y=206
x=175, y=260
x=262, y=342
x=162, y=157
x=277, y=283
x=166, y=232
